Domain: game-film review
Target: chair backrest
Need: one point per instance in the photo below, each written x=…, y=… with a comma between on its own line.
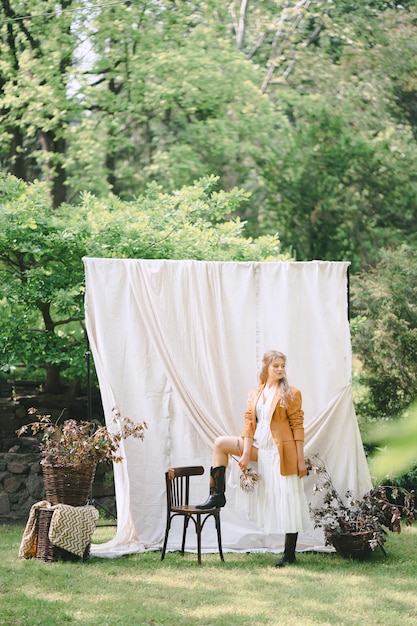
x=178, y=484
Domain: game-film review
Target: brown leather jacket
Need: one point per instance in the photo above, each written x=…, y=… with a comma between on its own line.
x=287, y=426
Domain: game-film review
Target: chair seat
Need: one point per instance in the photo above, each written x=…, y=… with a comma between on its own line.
x=192, y=509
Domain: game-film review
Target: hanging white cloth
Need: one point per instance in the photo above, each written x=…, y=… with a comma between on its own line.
x=179, y=344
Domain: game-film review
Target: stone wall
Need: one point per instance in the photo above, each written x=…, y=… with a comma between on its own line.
x=21, y=484
x=21, y=480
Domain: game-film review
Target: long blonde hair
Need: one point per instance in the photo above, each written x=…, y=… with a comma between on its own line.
x=283, y=384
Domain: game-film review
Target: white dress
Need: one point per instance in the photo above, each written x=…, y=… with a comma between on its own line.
x=278, y=503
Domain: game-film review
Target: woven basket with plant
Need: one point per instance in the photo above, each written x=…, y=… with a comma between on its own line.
x=356, y=526
x=71, y=450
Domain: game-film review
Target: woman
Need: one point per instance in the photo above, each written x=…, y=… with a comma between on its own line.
x=273, y=436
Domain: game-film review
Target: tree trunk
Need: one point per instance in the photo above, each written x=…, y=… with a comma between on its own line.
x=54, y=172
x=53, y=380
x=17, y=159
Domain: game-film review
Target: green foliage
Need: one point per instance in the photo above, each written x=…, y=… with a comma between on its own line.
x=36, y=71
x=40, y=277
x=41, y=250
x=340, y=203
x=191, y=223
x=394, y=444
x=386, y=336
x=406, y=480
x=309, y=106
x=344, y=188
x=177, y=102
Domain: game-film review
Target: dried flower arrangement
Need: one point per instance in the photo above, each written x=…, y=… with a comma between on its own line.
x=248, y=478
x=370, y=514
x=74, y=443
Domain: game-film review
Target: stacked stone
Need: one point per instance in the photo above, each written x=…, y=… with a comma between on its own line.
x=21, y=480
x=21, y=485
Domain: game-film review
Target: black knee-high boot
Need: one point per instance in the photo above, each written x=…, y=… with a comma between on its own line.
x=289, y=550
x=217, y=489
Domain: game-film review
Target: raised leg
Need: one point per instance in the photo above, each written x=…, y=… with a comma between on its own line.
x=223, y=447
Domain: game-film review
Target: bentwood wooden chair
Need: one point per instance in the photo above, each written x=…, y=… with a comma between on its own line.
x=177, y=481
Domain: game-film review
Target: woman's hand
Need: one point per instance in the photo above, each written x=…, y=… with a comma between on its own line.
x=302, y=468
x=245, y=456
x=243, y=461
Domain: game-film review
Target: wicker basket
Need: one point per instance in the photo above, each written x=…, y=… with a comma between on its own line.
x=352, y=545
x=67, y=484
x=46, y=550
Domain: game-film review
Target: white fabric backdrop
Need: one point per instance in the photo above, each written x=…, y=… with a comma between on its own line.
x=179, y=343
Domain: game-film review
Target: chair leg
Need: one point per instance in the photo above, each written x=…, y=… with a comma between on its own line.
x=166, y=538
x=184, y=533
x=219, y=535
x=198, y=530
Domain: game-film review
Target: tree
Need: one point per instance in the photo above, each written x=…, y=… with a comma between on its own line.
x=163, y=95
x=343, y=187
x=341, y=196
x=41, y=250
x=37, y=51
x=385, y=330
x=307, y=104
x=171, y=100
x=272, y=34
x=342, y=73
x=40, y=280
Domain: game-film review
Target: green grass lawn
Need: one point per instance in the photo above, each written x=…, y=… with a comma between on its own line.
x=245, y=590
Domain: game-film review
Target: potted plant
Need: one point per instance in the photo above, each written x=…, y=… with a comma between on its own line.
x=356, y=526
x=71, y=450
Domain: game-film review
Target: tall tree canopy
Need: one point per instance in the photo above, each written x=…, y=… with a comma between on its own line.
x=307, y=104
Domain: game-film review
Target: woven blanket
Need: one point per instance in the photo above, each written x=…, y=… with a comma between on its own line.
x=71, y=528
